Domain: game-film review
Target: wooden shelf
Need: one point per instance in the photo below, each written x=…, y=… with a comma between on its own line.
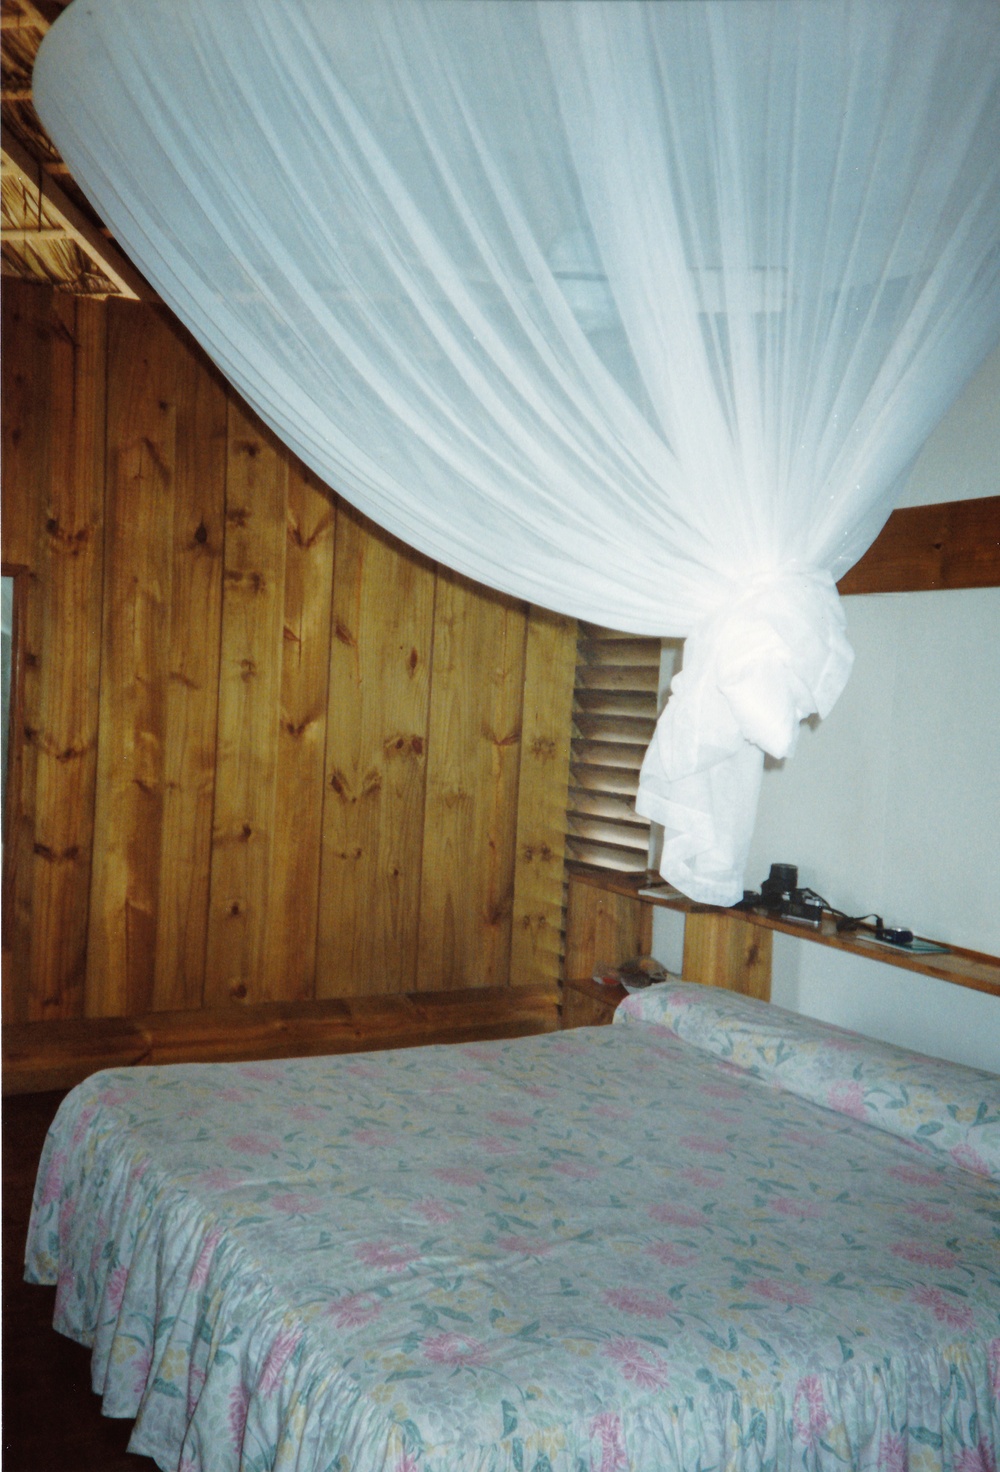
x=732, y=948
x=972, y=969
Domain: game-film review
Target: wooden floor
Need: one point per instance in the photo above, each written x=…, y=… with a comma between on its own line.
x=52, y=1421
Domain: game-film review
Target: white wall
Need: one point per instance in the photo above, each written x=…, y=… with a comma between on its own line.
x=892, y=803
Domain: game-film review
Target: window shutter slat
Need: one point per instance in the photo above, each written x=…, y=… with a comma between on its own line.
x=614, y=717
x=616, y=780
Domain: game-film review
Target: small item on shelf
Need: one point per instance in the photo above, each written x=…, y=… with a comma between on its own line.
x=659, y=889
x=916, y=945
x=782, y=898
x=633, y=975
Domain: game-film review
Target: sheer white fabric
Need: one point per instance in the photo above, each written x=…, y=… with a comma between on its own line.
x=637, y=311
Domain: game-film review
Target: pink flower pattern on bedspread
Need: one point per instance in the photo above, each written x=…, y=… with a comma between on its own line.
x=621, y=1250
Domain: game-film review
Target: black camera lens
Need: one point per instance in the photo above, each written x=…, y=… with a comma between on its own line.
x=782, y=879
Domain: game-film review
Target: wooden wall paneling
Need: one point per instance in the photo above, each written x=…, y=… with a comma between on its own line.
x=26, y=476
x=69, y=568
x=473, y=759
x=191, y=693
x=377, y=733
x=289, y=962
x=142, y=415
x=253, y=607
x=543, y=781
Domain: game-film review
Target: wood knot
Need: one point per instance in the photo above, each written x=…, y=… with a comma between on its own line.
x=155, y=455
x=201, y=534
x=511, y=739
x=402, y=745
x=55, y=855
x=70, y=754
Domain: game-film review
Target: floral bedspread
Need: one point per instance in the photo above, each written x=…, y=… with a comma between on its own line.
x=592, y=1251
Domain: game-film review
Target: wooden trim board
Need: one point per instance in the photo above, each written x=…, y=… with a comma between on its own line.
x=954, y=544
x=38, y=1056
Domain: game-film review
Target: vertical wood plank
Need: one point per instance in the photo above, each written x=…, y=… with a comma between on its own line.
x=539, y=864
x=141, y=475
x=15, y=998
x=190, y=696
x=726, y=951
x=373, y=808
x=249, y=696
x=69, y=567
x=25, y=422
x=474, y=751
x=289, y=963
x=27, y=441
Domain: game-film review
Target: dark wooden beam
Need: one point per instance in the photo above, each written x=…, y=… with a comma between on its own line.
x=954, y=544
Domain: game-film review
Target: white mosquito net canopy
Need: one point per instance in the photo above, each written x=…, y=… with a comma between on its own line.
x=638, y=311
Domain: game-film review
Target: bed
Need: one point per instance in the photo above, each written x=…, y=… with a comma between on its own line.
x=712, y=1235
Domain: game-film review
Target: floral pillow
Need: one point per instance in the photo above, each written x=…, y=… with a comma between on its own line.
x=942, y=1105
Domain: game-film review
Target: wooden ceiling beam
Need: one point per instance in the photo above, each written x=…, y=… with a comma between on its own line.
x=28, y=234
x=28, y=15
x=953, y=544
x=106, y=256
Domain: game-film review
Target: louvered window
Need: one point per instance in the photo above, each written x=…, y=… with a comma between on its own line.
x=614, y=713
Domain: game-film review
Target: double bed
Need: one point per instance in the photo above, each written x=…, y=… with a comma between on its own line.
x=713, y=1235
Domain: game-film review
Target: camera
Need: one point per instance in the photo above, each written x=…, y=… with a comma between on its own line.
x=781, y=896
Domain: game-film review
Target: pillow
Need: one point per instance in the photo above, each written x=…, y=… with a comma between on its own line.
x=945, y=1106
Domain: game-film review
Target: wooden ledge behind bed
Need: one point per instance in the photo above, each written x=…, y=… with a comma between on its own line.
x=38, y=1056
